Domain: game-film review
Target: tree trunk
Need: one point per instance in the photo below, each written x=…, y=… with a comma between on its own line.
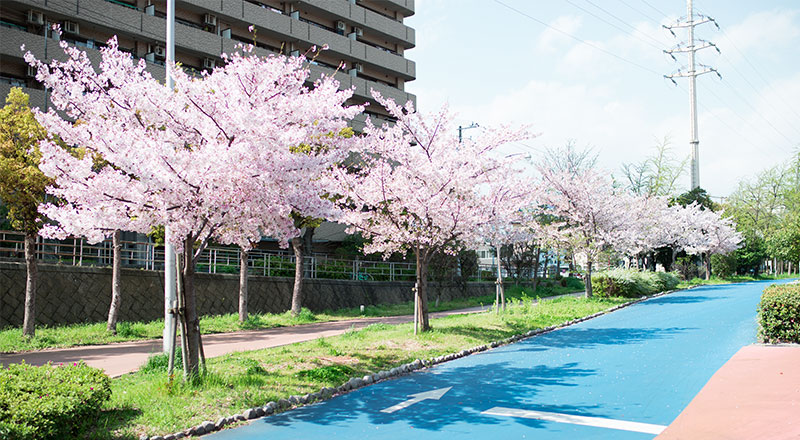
x=423, y=258
x=29, y=321
x=308, y=249
x=546, y=262
x=536, y=269
x=588, y=279
x=116, y=275
x=297, y=292
x=193, y=348
x=707, y=262
x=673, y=254
x=500, y=294
x=243, y=285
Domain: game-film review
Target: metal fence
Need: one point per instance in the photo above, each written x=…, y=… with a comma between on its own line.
x=149, y=256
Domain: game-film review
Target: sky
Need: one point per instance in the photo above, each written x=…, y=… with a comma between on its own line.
x=591, y=72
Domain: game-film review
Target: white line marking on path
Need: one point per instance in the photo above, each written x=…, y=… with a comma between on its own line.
x=623, y=425
x=419, y=397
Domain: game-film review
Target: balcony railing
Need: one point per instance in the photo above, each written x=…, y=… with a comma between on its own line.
x=147, y=255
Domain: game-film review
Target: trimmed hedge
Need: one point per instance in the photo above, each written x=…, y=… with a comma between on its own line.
x=631, y=283
x=50, y=402
x=779, y=313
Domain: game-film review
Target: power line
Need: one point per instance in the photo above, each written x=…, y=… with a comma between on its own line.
x=760, y=75
x=664, y=14
x=742, y=118
x=594, y=46
x=640, y=12
x=612, y=24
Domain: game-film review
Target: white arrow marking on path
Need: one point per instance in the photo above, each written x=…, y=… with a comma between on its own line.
x=419, y=397
x=577, y=420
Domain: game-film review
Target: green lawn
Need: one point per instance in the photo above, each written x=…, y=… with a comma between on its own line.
x=733, y=279
x=146, y=402
x=11, y=339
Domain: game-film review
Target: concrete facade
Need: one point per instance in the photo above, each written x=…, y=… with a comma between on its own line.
x=366, y=37
x=70, y=294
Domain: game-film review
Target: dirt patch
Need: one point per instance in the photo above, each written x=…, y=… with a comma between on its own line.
x=405, y=345
x=340, y=360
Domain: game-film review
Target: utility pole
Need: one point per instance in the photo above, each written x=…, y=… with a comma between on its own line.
x=460, y=129
x=170, y=276
x=689, y=22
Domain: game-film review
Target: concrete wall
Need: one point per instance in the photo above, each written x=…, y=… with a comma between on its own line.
x=68, y=294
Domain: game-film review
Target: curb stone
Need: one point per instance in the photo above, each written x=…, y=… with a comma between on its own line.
x=356, y=383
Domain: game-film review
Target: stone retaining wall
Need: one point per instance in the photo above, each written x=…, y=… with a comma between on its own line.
x=70, y=294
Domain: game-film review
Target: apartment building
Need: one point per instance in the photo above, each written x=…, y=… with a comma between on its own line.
x=367, y=39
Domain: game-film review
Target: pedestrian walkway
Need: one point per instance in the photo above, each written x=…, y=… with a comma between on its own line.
x=126, y=357
x=755, y=395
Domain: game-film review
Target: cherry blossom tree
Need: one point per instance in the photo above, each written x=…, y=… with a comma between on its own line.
x=710, y=233
x=592, y=216
x=213, y=159
x=424, y=191
x=508, y=221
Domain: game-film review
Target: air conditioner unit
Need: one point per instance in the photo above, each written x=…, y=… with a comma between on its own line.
x=358, y=67
x=71, y=27
x=209, y=63
x=32, y=71
x=359, y=32
x=341, y=26
x=35, y=17
x=210, y=20
x=158, y=51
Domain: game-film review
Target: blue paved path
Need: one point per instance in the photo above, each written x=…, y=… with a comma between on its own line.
x=640, y=364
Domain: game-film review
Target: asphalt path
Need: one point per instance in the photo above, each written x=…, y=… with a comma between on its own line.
x=624, y=375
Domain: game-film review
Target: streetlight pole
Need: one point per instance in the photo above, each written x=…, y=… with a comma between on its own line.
x=170, y=275
x=460, y=129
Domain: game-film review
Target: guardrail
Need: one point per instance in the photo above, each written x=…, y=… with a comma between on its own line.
x=146, y=255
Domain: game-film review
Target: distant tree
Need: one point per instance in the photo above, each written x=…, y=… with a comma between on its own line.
x=568, y=158
x=656, y=175
x=22, y=186
x=424, y=192
x=698, y=196
x=593, y=218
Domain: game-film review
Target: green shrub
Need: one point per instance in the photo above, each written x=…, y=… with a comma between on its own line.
x=779, y=313
x=723, y=266
x=334, y=270
x=159, y=362
x=631, y=283
x=50, y=402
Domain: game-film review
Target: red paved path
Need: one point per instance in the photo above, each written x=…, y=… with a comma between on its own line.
x=125, y=357
x=754, y=396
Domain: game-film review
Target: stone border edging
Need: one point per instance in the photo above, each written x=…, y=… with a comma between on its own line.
x=354, y=383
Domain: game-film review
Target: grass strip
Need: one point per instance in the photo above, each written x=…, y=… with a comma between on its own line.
x=147, y=402
x=732, y=279
x=11, y=339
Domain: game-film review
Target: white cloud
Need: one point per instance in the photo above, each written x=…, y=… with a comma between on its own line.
x=551, y=40
x=765, y=31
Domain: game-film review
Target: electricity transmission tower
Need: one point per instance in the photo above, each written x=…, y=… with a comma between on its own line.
x=691, y=46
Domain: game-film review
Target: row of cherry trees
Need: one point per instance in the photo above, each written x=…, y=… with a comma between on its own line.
x=243, y=152
x=592, y=217
x=248, y=149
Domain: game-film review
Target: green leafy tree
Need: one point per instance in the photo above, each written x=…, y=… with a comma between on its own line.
x=696, y=195
x=22, y=185
x=750, y=256
x=656, y=175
